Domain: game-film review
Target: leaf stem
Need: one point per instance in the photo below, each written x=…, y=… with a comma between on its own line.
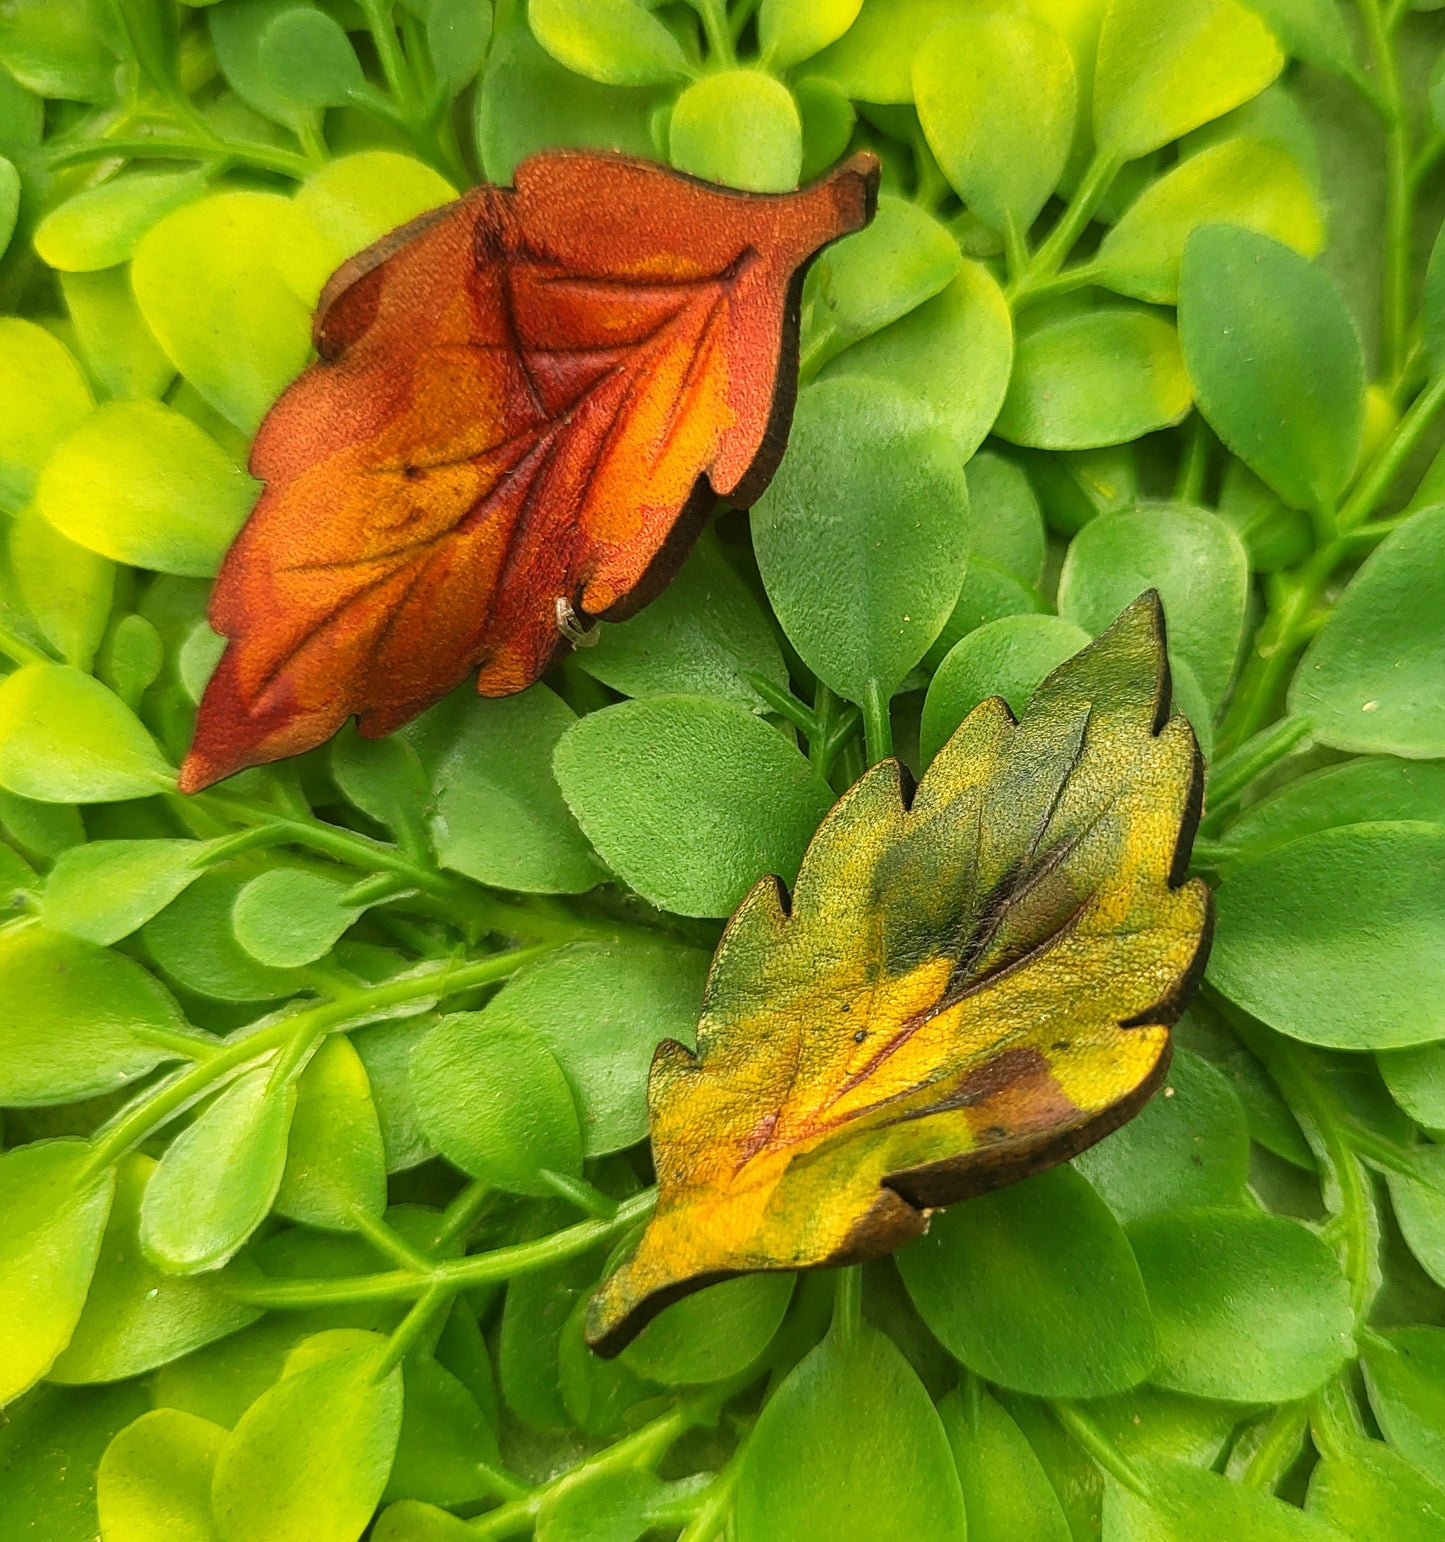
x=1231, y=774
x=1398, y=188
x=848, y=1305
x=1060, y=241
x=183, y=147
x=1194, y=464
x=715, y=27
x=1278, y=1449
x=785, y=704
x=1391, y=456
x=457, y=1273
x=20, y=650
x=423, y=1311
x=1101, y=1450
x=877, y=723
x=717, y=1503
x=139, y=1119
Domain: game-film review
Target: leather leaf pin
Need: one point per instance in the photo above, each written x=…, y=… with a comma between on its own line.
x=523, y=406
x=967, y=986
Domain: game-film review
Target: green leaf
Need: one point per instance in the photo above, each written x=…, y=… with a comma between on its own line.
x=1204, y=57
x=703, y=635
x=955, y=351
x=1009, y=657
x=1355, y=792
x=55, y=49
x=154, y=1482
x=1405, y=1374
x=447, y=1452
x=66, y=589
x=1006, y=526
x=216, y=1181
x=1432, y=306
x=9, y=201
x=790, y=31
x=713, y=1335
x=385, y=779
x=738, y=127
x=120, y=351
x=142, y=484
x=1248, y=1307
x=690, y=801
x=602, y=1008
x=309, y=60
x=1290, y=948
x=136, y=1317
x=345, y=206
x=101, y=226
x=1033, y=1286
x=828, y=120
x=1006, y=1492
x=310, y=1457
x=861, y=537
x=386, y=1049
x=465, y=1075
x=499, y=815
x=873, y=60
x=617, y=42
x=43, y=398
x=457, y=35
x=1275, y=359
x=529, y=102
x=1374, y=678
x=1274, y=536
x=192, y=941
x=1186, y=1503
x=1419, y=1204
x=209, y=290
x=77, y=1020
x=861, y=284
x=1313, y=31
x=1365, y=1490
x=55, y=1213
x=335, y=1163
x=290, y=916
x=1192, y=557
x=989, y=594
x=1416, y=1079
x=1188, y=1146
x=237, y=29
x=850, y=1448
x=1098, y=377
x=1245, y=182
x=996, y=96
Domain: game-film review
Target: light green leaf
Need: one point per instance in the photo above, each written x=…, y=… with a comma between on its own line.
x=64, y=738
x=217, y=1179
x=1275, y=360
x=309, y=1459
x=792, y=30
x=1245, y=182
x=850, y=1448
x=1290, y=948
x=465, y=1075
x=955, y=351
x=1374, y=678
x=101, y=226
x=1164, y=71
x=1192, y=557
x=289, y=916
x=1419, y=1204
x=44, y=397
x=1099, y=377
x=9, y=201
x=335, y=1163
x=345, y=206
x=1033, y=1286
x=120, y=351
x=861, y=538
x=66, y=589
x=738, y=127
x=996, y=96
x=1365, y=1491
x=154, y=1483
x=208, y=285
x=617, y=42
x=690, y=801
x=1187, y=1503
x=55, y=1215
x=135, y=1317
x=1248, y=1307
x=873, y=60
x=142, y=484
x=1405, y=1375
x=1416, y=1079
x=499, y=815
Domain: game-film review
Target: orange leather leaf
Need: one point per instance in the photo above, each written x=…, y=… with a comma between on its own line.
x=523, y=405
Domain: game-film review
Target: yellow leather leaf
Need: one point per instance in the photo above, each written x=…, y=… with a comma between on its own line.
x=968, y=986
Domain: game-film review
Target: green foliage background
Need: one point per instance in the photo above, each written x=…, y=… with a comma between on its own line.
x=323, y=1090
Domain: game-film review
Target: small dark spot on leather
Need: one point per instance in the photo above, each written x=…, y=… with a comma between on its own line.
x=412, y=473
x=1061, y=1044
x=860, y=1035
x=995, y=1132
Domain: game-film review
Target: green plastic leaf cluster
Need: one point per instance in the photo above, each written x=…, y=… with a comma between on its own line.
x=324, y=1092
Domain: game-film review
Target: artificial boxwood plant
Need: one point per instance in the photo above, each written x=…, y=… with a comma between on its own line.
x=323, y=1089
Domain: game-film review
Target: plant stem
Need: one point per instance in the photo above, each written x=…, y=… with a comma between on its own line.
x=176, y=147
x=1048, y=259
x=1194, y=464
x=1278, y=1449
x=1391, y=456
x=717, y=1502
x=409, y=1330
x=137, y=1121
x=848, y=1305
x=20, y=650
x=1398, y=189
x=715, y=27
x=456, y=1273
x=785, y=704
x=877, y=723
x=1232, y=773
